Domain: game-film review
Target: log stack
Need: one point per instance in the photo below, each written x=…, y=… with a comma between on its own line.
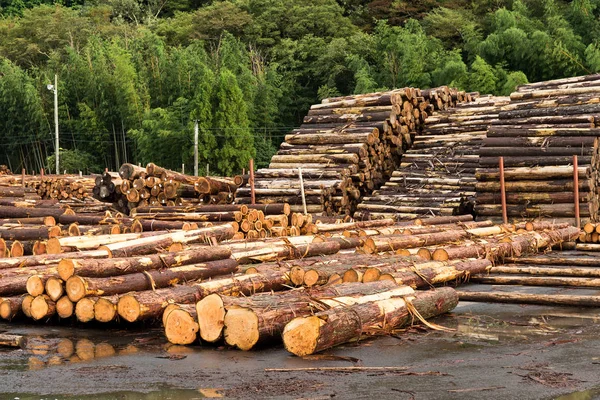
x=437, y=175
x=154, y=186
x=544, y=126
x=62, y=187
x=593, y=178
x=347, y=147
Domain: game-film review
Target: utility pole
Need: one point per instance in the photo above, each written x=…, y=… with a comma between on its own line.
x=54, y=89
x=196, y=147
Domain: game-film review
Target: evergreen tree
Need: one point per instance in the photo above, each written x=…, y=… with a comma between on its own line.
x=235, y=143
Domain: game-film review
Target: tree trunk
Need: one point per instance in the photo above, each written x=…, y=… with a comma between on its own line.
x=309, y=335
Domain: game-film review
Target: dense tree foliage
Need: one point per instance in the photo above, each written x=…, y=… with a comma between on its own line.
x=136, y=75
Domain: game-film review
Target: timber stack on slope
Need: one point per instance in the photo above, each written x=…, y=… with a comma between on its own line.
x=437, y=175
x=347, y=147
x=538, y=133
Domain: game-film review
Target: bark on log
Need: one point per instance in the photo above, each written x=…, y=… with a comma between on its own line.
x=78, y=287
x=309, y=335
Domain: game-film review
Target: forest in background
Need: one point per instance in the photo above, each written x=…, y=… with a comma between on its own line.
x=134, y=75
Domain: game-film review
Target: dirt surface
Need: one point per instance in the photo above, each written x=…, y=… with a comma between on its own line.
x=494, y=352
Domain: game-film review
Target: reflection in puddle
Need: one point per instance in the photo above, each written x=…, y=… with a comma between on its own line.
x=163, y=394
x=584, y=395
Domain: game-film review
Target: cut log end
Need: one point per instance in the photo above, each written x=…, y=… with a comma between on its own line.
x=53, y=246
x=64, y=307
x=181, y=327
x=55, y=288
x=84, y=310
x=371, y=275
x=440, y=255
x=129, y=308
x=352, y=275
x=26, y=305
x=35, y=285
x=7, y=311
x=311, y=278
x=76, y=288
x=300, y=335
x=241, y=328
x=211, y=317
x=105, y=310
x=297, y=276
x=42, y=307
x=66, y=268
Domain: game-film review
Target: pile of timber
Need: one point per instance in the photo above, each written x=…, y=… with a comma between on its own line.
x=211, y=290
x=543, y=127
x=560, y=278
x=347, y=147
x=301, y=318
x=593, y=178
x=249, y=221
x=155, y=186
x=62, y=187
x=437, y=175
x=590, y=233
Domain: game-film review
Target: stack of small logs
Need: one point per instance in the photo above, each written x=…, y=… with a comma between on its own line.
x=154, y=186
x=544, y=126
x=347, y=147
x=250, y=221
x=437, y=175
x=62, y=187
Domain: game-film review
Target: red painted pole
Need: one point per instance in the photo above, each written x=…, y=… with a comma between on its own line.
x=503, y=192
x=576, y=190
x=252, y=194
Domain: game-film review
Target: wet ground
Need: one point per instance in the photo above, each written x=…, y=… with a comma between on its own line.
x=494, y=352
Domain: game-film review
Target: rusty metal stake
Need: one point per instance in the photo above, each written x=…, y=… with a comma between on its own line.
x=251, y=180
x=576, y=190
x=503, y=192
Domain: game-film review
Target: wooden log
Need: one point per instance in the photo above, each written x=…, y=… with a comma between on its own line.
x=538, y=281
x=516, y=269
x=261, y=318
x=10, y=307
x=150, y=304
x=65, y=307
x=530, y=298
x=99, y=268
x=148, y=245
x=78, y=287
x=309, y=335
x=181, y=324
x=131, y=172
x=392, y=243
x=42, y=307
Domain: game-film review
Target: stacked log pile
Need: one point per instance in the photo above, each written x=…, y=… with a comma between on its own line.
x=62, y=187
x=166, y=275
x=566, y=278
x=545, y=125
x=593, y=178
x=347, y=147
x=249, y=321
x=155, y=186
x=437, y=175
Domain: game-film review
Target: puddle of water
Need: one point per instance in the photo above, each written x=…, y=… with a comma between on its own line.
x=583, y=395
x=162, y=394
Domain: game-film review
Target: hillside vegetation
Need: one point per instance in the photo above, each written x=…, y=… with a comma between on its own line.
x=134, y=75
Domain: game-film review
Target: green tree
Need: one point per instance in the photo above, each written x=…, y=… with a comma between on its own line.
x=235, y=143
